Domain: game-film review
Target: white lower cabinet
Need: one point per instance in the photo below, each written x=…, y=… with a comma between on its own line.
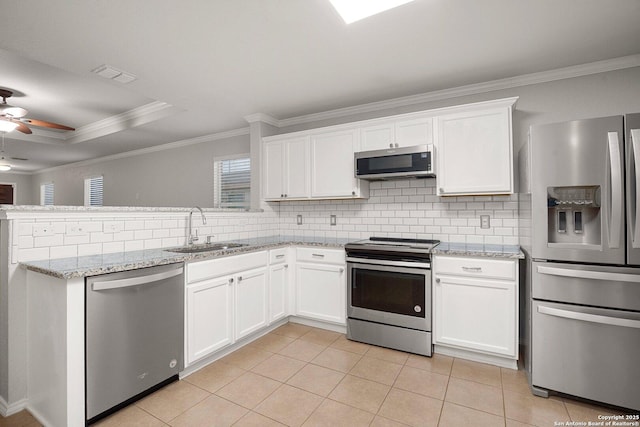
x=226, y=299
x=475, y=306
x=321, y=285
x=250, y=302
x=209, y=317
x=278, y=290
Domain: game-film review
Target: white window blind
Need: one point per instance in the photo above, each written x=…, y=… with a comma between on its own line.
x=93, y=191
x=46, y=194
x=232, y=183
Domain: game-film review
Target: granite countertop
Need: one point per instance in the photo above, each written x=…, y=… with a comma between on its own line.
x=92, y=265
x=479, y=250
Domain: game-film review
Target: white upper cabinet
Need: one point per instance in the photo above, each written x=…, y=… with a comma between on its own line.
x=286, y=169
x=332, y=164
x=474, y=150
x=398, y=133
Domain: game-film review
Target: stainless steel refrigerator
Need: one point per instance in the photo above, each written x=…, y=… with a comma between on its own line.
x=581, y=233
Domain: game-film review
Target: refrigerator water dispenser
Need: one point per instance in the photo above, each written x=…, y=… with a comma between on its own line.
x=574, y=215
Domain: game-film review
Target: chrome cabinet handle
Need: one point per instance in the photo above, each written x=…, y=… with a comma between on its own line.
x=239, y=279
x=341, y=270
x=438, y=280
x=390, y=145
x=318, y=255
x=280, y=256
x=353, y=193
x=286, y=266
x=231, y=280
x=441, y=190
x=473, y=269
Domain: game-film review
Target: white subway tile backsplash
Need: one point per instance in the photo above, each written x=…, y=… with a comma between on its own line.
x=47, y=241
x=66, y=251
x=112, y=247
x=33, y=254
x=90, y=249
x=134, y=245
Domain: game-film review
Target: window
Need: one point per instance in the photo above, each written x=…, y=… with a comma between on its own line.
x=46, y=194
x=93, y=191
x=232, y=182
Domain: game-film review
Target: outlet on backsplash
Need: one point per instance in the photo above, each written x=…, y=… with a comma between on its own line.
x=299, y=219
x=332, y=220
x=485, y=221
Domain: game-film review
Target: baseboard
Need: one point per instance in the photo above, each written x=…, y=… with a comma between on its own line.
x=503, y=362
x=6, y=410
x=319, y=324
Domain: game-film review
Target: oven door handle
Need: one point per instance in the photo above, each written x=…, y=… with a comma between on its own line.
x=389, y=263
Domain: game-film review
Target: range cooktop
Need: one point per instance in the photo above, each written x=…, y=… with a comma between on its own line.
x=393, y=243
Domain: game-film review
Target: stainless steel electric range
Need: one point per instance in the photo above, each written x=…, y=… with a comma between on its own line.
x=389, y=293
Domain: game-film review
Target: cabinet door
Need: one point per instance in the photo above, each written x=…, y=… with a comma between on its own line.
x=474, y=153
x=251, y=301
x=377, y=137
x=332, y=166
x=278, y=291
x=297, y=167
x=414, y=132
x=274, y=169
x=476, y=314
x=320, y=292
x=209, y=317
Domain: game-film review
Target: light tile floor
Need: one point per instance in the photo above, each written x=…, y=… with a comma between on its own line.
x=302, y=376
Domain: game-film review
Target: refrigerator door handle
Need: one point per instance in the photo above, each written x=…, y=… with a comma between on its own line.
x=615, y=221
x=586, y=317
x=635, y=216
x=589, y=274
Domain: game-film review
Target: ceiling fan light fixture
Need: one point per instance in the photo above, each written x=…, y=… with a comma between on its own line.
x=4, y=165
x=7, y=126
x=12, y=111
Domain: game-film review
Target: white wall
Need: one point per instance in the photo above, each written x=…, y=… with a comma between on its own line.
x=24, y=192
x=176, y=177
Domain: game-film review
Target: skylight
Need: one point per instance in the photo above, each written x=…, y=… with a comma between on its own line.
x=355, y=10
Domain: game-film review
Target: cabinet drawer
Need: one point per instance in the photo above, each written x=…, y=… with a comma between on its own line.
x=201, y=270
x=276, y=256
x=329, y=256
x=476, y=267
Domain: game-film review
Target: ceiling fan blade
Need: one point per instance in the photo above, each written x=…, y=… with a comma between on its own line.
x=22, y=127
x=44, y=124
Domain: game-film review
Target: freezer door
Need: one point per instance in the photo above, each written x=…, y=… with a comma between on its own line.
x=587, y=352
x=632, y=143
x=577, y=184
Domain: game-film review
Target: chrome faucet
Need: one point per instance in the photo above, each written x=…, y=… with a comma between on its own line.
x=191, y=237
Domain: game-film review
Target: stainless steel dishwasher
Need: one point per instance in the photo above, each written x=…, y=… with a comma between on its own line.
x=134, y=335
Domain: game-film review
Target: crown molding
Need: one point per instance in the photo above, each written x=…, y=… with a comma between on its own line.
x=264, y=118
x=135, y=117
x=156, y=148
x=472, y=89
x=129, y=119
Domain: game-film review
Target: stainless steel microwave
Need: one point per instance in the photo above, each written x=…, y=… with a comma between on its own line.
x=390, y=163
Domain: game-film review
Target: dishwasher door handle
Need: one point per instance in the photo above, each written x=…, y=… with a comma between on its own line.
x=135, y=281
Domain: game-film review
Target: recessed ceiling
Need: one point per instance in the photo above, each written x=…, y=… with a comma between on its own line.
x=203, y=65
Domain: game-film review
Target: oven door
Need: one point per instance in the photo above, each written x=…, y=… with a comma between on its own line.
x=387, y=293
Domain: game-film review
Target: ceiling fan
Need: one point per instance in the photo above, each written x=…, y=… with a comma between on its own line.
x=14, y=117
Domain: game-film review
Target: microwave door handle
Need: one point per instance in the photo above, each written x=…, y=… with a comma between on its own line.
x=615, y=221
x=635, y=187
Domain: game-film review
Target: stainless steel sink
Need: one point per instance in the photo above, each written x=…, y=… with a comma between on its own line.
x=206, y=247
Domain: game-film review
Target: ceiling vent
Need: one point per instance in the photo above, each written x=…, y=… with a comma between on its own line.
x=108, y=72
